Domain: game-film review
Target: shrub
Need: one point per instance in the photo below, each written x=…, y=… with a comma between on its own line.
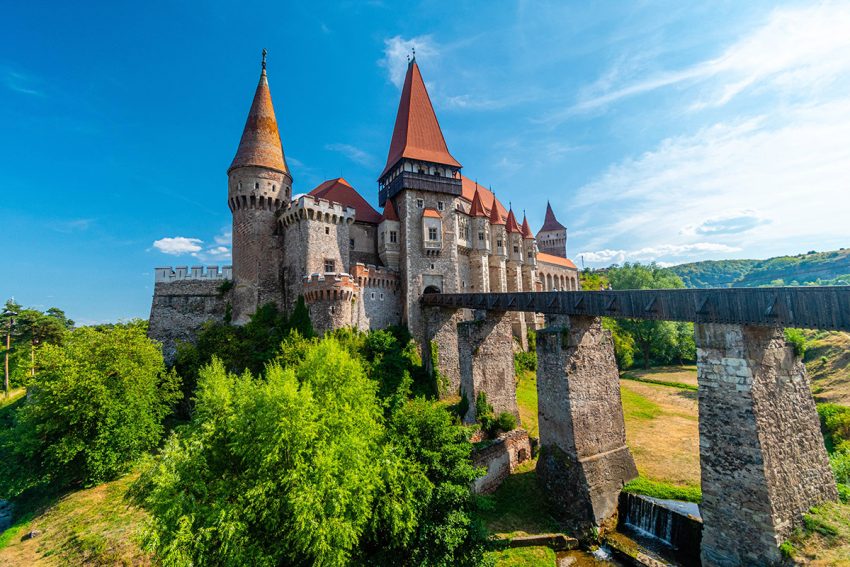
x=525, y=362
x=505, y=422
x=97, y=404
x=797, y=340
x=835, y=425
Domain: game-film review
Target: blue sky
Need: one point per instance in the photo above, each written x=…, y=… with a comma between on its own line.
x=664, y=131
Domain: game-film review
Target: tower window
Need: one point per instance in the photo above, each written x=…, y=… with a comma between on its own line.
x=432, y=233
x=327, y=230
x=440, y=205
x=393, y=236
x=256, y=185
x=372, y=295
x=273, y=187
x=481, y=236
x=352, y=242
x=516, y=249
x=499, y=242
x=432, y=265
x=329, y=266
x=382, y=296
x=420, y=203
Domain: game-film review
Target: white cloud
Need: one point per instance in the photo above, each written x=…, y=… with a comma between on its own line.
x=178, y=245
x=353, y=153
x=396, y=51
x=653, y=253
x=809, y=45
x=734, y=222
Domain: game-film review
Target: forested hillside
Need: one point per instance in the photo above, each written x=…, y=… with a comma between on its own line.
x=812, y=268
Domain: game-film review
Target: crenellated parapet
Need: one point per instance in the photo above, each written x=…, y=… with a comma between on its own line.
x=308, y=207
x=329, y=287
x=182, y=273
x=367, y=275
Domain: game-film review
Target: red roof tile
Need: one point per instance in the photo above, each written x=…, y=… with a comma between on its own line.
x=477, y=209
x=417, y=134
x=432, y=213
x=260, y=144
x=557, y=260
x=389, y=212
x=511, y=224
x=526, y=230
x=468, y=188
x=340, y=191
x=550, y=222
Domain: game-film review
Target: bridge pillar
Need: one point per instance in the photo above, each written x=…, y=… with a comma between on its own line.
x=584, y=461
x=761, y=450
x=439, y=351
x=485, y=349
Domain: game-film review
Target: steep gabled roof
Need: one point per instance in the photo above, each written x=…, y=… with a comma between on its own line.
x=477, y=209
x=389, y=212
x=340, y=191
x=417, y=134
x=511, y=224
x=260, y=144
x=431, y=213
x=556, y=260
x=550, y=222
x=526, y=230
x=468, y=187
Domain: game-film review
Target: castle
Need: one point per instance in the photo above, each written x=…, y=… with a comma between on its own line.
x=439, y=231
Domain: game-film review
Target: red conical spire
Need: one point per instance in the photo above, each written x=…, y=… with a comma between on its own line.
x=511, y=224
x=477, y=209
x=260, y=144
x=550, y=222
x=495, y=217
x=417, y=134
x=389, y=211
x=526, y=230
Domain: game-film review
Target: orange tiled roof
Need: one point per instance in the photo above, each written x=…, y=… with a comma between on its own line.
x=526, y=230
x=468, y=187
x=477, y=209
x=557, y=260
x=340, y=191
x=417, y=134
x=550, y=222
x=260, y=144
x=389, y=212
x=432, y=213
x=511, y=224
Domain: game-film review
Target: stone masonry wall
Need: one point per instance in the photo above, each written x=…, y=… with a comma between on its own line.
x=179, y=309
x=584, y=461
x=499, y=459
x=486, y=360
x=761, y=450
x=441, y=334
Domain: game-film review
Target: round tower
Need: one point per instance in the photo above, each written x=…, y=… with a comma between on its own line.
x=259, y=184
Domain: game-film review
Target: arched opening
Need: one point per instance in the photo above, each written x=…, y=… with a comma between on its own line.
x=432, y=289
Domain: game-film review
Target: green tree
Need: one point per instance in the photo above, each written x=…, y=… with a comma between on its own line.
x=653, y=339
x=96, y=404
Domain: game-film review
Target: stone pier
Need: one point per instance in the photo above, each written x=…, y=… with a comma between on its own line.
x=440, y=347
x=485, y=349
x=584, y=461
x=762, y=455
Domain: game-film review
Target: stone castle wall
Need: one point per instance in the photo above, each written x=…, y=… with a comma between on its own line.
x=499, y=459
x=182, y=303
x=379, y=298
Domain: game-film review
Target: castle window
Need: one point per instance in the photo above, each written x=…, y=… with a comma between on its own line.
x=383, y=237
x=329, y=266
x=240, y=185
x=372, y=295
x=432, y=265
x=382, y=296
x=432, y=233
x=273, y=187
x=516, y=249
x=393, y=236
x=420, y=203
x=333, y=308
x=327, y=230
x=256, y=185
x=352, y=242
x=481, y=236
x=499, y=242
x=440, y=205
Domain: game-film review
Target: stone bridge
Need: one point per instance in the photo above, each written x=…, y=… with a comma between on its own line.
x=762, y=456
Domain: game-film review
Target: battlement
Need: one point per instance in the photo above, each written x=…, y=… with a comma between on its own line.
x=308, y=207
x=368, y=275
x=182, y=273
x=329, y=287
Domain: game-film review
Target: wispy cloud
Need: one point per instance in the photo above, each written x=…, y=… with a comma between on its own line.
x=734, y=222
x=396, y=51
x=353, y=153
x=178, y=245
x=655, y=253
x=21, y=83
x=73, y=225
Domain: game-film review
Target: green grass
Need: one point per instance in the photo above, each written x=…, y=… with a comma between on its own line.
x=526, y=399
x=664, y=490
x=638, y=407
x=518, y=506
x=825, y=535
x=14, y=395
x=680, y=385
x=523, y=557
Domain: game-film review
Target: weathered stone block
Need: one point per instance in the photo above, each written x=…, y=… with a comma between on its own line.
x=584, y=460
x=761, y=450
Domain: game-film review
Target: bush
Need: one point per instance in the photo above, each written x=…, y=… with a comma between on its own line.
x=96, y=405
x=505, y=422
x=797, y=340
x=835, y=425
x=525, y=362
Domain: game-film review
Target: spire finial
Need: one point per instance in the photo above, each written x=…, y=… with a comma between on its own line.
x=414, y=52
x=264, y=58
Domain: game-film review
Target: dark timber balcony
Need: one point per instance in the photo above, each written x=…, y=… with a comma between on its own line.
x=419, y=182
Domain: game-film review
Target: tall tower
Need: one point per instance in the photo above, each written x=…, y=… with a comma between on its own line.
x=552, y=236
x=259, y=184
x=422, y=180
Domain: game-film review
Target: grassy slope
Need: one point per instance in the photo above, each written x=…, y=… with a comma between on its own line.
x=95, y=526
x=828, y=363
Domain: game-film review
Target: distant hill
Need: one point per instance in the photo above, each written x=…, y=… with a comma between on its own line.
x=813, y=268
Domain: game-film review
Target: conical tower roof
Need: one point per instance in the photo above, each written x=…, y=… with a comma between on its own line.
x=417, y=134
x=476, y=209
x=511, y=224
x=389, y=211
x=526, y=230
x=260, y=144
x=550, y=222
x=495, y=217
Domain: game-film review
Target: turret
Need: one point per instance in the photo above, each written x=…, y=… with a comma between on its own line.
x=389, y=234
x=515, y=246
x=498, y=234
x=480, y=224
x=529, y=244
x=552, y=236
x=259, y=184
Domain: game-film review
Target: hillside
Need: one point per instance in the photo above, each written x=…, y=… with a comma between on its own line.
x=813, y=268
